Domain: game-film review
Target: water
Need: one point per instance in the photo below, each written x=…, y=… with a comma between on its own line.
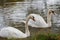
x=2, y=23
x=55, y=4
x=16, y=12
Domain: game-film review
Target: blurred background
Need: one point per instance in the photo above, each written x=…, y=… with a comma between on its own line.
x=12, y=12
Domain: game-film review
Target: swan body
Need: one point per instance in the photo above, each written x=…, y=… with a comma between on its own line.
x=39, y=20
x=38, y=23
x=11, y=32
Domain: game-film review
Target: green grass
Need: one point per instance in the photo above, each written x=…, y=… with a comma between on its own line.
x=41, y=37
x=46, y=37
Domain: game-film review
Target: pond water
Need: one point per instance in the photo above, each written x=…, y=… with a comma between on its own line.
x=14, y=13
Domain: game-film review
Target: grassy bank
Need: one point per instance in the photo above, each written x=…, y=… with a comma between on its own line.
x=41, y=37
x=47, y=37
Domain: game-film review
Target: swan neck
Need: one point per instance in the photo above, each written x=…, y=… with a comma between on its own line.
x=49, y=19
x=26, y=27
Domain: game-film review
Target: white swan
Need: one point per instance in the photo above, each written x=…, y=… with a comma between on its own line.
x=40, y=22
x=10, y=32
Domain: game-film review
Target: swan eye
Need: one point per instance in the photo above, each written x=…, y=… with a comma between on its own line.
x=52, y=11
x=33, y=18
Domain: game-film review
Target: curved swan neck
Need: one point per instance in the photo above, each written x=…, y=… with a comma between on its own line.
x=49, y=19
x=26, y=27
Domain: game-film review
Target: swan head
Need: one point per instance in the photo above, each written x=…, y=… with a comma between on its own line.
x=31, y=17
x=51, y=12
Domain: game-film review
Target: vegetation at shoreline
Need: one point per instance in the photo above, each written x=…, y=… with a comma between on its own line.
x=2, y=2
x=41, y=37
x=14, y=0
x=47, y=37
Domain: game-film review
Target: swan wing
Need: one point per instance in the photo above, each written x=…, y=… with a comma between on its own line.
x=11, y=32
x=39, y=21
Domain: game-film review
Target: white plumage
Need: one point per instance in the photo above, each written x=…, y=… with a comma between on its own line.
x=38, y=23
x=39, y=20
x=11, y=32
